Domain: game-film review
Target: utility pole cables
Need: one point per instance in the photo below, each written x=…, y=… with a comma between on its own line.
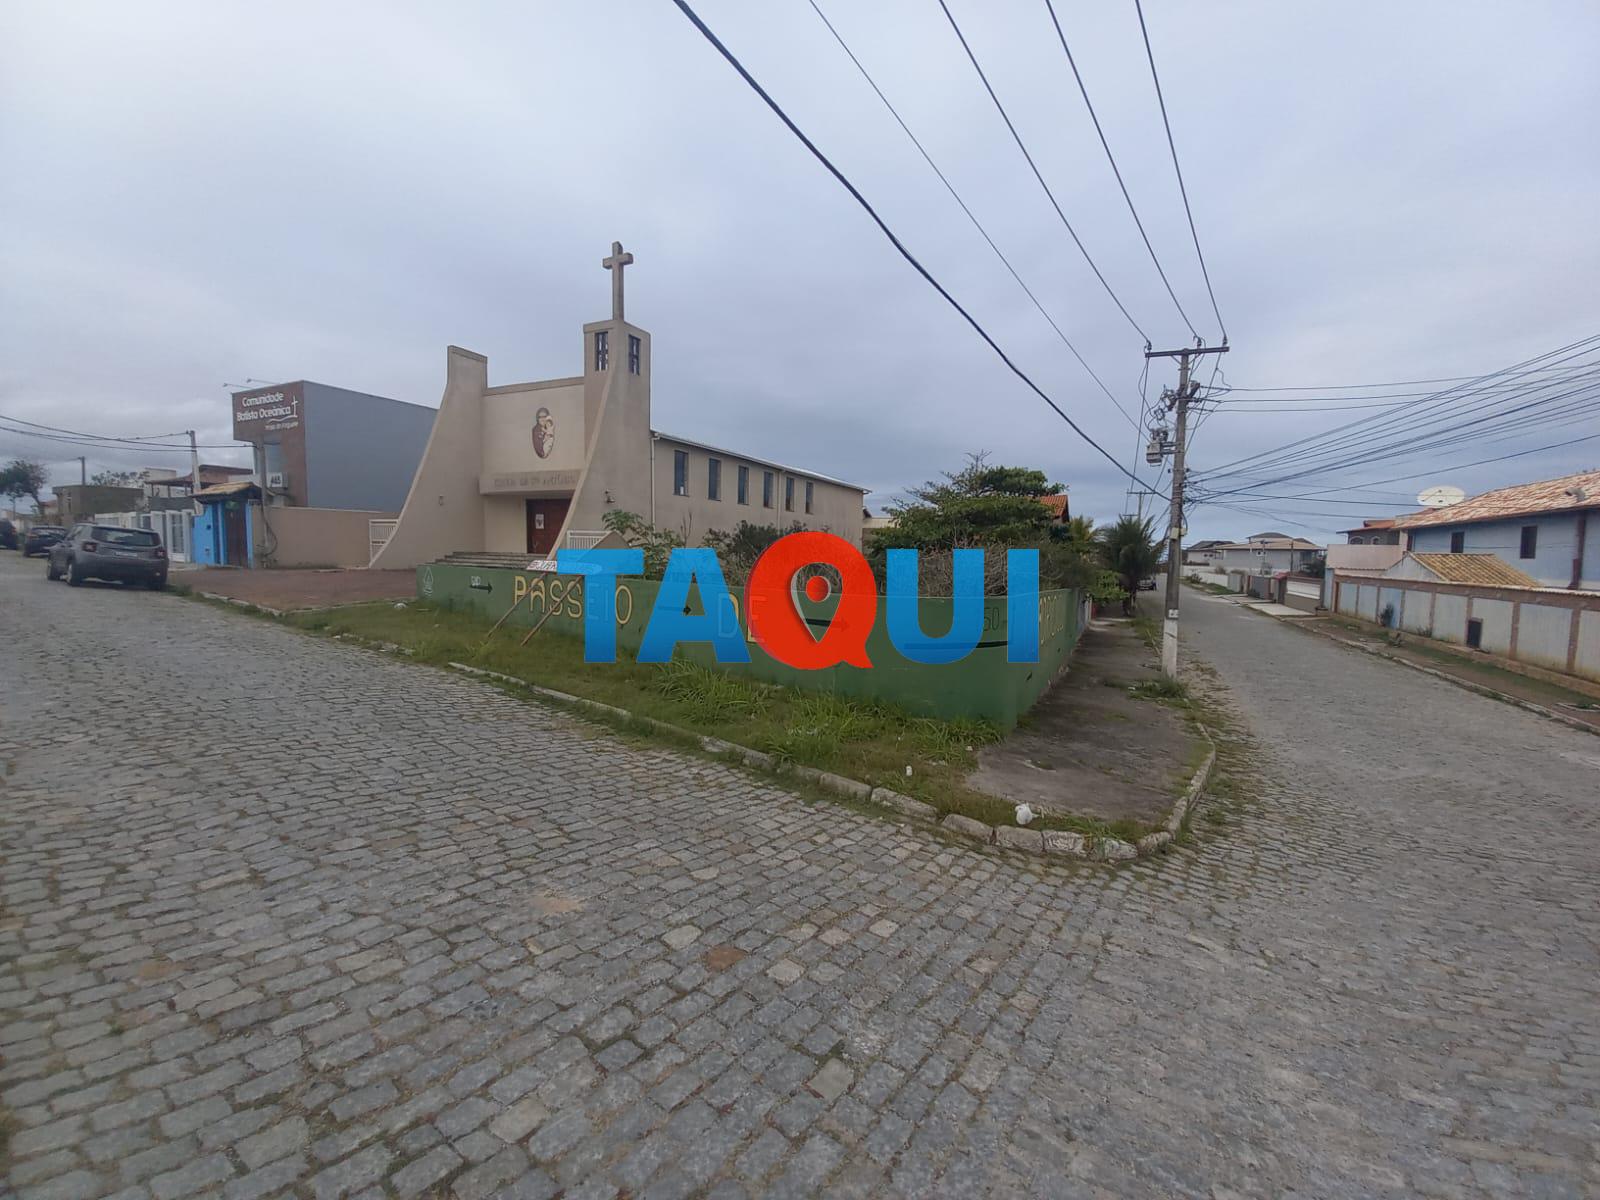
x=1159, y=446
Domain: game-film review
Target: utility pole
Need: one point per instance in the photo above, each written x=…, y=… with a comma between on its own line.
x=1178, y=402
x=83, y=470
x=194, y=472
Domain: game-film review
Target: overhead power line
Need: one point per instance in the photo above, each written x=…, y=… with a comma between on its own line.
x=56, y=440
x=1364, y=428
x=1339, y=387
x=1115, y=170
x=1229, y=397
x=46, y=433
x=906, y=254
x=1182, y=190
x=978, y=225
x=1204, y=501
x=1017, y=137
x=1410, y=439
x=1582, y=409
x=143, y=443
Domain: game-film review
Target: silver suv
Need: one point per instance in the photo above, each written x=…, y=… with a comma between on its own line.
x=109, y=552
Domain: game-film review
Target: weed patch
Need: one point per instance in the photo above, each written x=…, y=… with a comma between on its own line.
x=1160, y=689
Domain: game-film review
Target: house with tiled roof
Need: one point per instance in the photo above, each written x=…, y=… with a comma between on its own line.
x=1059, y=508
x=1488, y=569
x=1268, y=553
x=1547, y=531
x=1381, y=532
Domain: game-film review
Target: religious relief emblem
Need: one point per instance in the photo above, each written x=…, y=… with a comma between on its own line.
x=544, y=434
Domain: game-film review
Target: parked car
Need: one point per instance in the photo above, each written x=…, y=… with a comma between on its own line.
x=40, y=538
x=8, y=535
x=1147, y=584
x=110, y=552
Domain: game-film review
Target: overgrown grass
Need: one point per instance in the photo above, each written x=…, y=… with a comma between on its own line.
x=1149, y=629
x=881, y=744
x=1160, y=689
x=1205, y=585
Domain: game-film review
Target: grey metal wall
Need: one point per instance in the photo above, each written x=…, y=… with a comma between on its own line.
x=361, y=450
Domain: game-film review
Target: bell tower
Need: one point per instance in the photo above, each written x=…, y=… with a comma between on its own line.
x=616, y=402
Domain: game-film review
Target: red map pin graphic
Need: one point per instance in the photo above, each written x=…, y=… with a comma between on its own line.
x=776, y=622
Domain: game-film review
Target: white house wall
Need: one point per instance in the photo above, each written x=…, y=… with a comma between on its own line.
x=1496, y=618
x=1544, y=635
x=1450, y=617
x=1553, y=629
x=1588, y=658
x=1416, y=612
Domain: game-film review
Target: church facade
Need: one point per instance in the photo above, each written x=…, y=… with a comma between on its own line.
x=530, y=468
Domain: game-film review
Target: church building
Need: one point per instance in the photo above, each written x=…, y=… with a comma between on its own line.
x=530, y=468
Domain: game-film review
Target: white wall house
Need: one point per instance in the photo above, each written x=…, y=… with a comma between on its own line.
x=1266, y=555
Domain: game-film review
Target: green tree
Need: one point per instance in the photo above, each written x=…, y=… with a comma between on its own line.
x=1080, y=532
x=23, y=477
x=737, y=549
x=986, y=507
x=115, y=478
x=657, y=544
x=978, y=505
x=1130, y=550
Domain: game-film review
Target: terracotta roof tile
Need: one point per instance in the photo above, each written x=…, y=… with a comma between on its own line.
x=1546, y=496
x=1475, y=568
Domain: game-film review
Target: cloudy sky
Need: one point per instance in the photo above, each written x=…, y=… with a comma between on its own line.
x=204, y=193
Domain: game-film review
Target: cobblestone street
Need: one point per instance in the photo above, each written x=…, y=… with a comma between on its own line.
x=283, y=917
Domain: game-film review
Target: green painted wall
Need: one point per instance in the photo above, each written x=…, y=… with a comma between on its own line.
x=983, y=684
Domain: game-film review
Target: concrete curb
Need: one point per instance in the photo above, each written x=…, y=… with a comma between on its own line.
x=1465, y=684
x=1052, y=843
x=245, y=604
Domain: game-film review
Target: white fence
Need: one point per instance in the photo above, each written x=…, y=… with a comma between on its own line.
x=585, y=539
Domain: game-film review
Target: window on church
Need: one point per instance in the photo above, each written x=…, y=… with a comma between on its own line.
x=788, y=493
x=808, y=495
x=714, y=479
x=766, y=489
x=633, y=354
x=744, y=485
x=680, y=472
x=602, y=349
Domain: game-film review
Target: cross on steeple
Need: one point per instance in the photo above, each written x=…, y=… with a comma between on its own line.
x=614, y=264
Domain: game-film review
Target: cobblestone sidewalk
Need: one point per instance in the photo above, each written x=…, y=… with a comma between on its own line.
x=286, y=918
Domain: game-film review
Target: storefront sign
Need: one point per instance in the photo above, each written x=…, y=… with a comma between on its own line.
x=275, y=409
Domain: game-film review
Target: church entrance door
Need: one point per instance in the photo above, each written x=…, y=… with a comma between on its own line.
x=545, y=518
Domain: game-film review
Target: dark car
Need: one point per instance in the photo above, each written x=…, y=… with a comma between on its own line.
x=110, y=552
x=8, y=535
x=40, y=538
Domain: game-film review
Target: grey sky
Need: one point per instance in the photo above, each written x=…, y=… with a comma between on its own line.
x=200, y=193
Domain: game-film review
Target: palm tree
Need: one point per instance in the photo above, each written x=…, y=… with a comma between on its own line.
x=1080, y=532
x=1130, y=549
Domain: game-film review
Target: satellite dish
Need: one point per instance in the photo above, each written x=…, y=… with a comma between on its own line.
x=1442, y=496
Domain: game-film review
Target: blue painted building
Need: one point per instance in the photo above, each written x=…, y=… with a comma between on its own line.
x=223, y=533
x=1549, y=530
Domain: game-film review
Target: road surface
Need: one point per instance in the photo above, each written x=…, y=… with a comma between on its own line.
x=286, y=917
